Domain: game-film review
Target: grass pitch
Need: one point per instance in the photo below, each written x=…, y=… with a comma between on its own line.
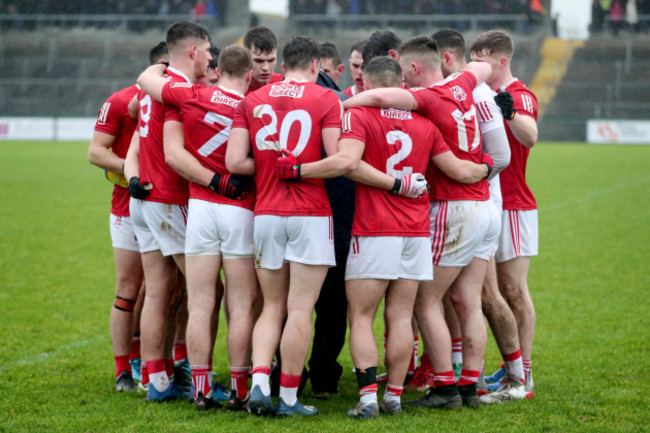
x=589, y=285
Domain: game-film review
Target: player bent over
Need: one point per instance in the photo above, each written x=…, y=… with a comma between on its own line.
x=390, y=252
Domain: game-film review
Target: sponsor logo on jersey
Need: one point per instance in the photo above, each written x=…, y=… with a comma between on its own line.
x=287, y=90
x=458, y=92
x=181, y=85
x=393, y=113
x=220, y=98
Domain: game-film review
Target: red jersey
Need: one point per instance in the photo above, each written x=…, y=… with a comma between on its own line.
x=207, y=118
x=275, y=78
x=351, y=91
x=288, y=115
x=451, y=107
x=398, y=143
x=516, y=194
x=114, y=119
x=168, y=186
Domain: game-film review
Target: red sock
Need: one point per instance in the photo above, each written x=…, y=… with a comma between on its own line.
x=145, y=373
x=169, y=368
x=135, y=349
x=467, y=377
x=239, y=380
x=444, y=378
x=425, y=362
x=200, y=380
x=156, y=366
x=394, y=391
x=122, y=364
x=180, y=351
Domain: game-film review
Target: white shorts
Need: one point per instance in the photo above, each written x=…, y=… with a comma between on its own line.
x=462, y=230
x=122, y=234
x=519, y=235
x=159, y=226
x=389, y=258
x=218, y=229
x=301, y=239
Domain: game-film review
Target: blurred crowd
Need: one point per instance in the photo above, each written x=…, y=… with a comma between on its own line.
x=617, y=15
x=335, y=7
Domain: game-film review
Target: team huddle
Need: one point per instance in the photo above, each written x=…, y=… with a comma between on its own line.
x=408, y=188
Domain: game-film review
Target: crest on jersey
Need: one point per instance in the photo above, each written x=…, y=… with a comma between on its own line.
x=459, y=93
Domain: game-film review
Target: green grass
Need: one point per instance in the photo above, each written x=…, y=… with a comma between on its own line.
x=589, y=285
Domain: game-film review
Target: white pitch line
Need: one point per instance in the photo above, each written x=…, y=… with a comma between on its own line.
x=595, y=194
x=44, y=356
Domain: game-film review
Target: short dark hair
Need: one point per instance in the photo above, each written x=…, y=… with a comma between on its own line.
x=262, y=38
x=158, y=52
x=379, y=44
x=181, y=30
x=422, y=45
x=493, y=41
x=383, y=71
x=358, y=46
x=328, y=51
x=235, y=60
x=450, y=40
x=215, y=51
x=299, y=52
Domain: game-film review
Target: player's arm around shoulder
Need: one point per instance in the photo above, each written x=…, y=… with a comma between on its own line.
x=385, y=97
x=481, y=70
x=179, y=159
x=152, y=82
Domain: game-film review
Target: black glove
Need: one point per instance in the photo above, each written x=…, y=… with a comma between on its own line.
x=505, y=102
x=233, y=186
x=137, y=189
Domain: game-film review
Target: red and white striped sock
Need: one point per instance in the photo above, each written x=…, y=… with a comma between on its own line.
x=456, y=351
x=515, y=366
x=393, y=393
x=368, y=393
x=467, y=377
x=413, y=364
x=200, y=375
x=443, y=378
x=289, y=388
x=261, y=377
x=527, y=364
x=239, y=380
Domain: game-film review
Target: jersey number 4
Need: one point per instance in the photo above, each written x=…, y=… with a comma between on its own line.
x=262, y=138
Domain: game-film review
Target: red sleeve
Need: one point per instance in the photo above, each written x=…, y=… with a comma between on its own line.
x=353, y=125
x=240, y=120
x=334, y=110
x=467, y=79
x=174, y=93
x=172, y=113
x=110, y=117
x=525, y=102
x=426, y=101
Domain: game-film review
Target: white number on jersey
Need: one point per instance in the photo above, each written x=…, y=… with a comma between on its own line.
x=217, y=140
x=261, y=138
x=392, y=137
x=460, y=119
x=103, y=113
x=145, y=115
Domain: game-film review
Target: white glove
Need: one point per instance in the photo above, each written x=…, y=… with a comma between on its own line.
x=411, y=186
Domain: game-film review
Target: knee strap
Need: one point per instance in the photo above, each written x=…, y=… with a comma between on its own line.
x=124, y=304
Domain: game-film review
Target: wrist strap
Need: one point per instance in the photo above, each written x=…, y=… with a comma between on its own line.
x=489, y=169
x=397, y=186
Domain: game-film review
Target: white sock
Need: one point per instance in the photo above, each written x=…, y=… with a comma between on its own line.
x=159, y=380
x=289, y=395
x=262, y=380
